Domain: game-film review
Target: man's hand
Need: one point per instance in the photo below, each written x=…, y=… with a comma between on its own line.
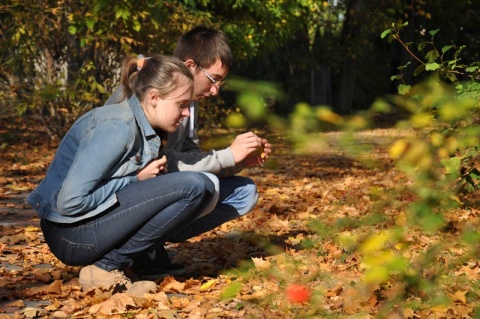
x=245, y=145
x=260, y=156
x=251, y=149
x=154, y=168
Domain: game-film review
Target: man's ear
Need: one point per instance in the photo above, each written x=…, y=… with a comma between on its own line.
x=190, y=64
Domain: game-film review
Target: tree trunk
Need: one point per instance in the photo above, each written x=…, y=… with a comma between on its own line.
x=346, y=84
x=346, y=80
x=321, y=86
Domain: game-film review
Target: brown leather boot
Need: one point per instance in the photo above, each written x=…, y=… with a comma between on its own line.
x=94, y=277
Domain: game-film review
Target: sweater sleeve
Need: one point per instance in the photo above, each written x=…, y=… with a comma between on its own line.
x=220, y=163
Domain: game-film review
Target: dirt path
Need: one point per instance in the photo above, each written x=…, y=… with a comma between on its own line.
x=15, y=212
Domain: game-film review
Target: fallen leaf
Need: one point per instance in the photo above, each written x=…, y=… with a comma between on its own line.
x=117, y=303
x=31, y=312
x=42, y=276
x=209, y=284
x=261, y=263
x=13, y=306
x=459, y=296
x=171, y=285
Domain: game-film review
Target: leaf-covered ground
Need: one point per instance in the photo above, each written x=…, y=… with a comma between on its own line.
x=294, y=256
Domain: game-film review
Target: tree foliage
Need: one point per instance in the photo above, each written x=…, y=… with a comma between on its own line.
x=60, y=58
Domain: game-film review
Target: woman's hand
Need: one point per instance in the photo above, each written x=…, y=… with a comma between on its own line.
x=153, y=169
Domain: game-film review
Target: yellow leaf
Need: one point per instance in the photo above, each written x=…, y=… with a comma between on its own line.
x=374, y=243
x=325, y=114
x=209, y=284
x=439, y=308
x=31, y=228
x=397, y=149
x=377, y=275
x=421, y=120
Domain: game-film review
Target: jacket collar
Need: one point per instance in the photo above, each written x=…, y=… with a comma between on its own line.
x=139, y=113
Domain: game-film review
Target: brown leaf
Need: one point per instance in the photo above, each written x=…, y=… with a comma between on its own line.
x=54, y=288
x=261, y=263
x=42, y=276
x=117, y=303
x=13, y=306
x=459, y=296
x=334, y=291
x=71, y=305
x=171, y=285
x=31, y=312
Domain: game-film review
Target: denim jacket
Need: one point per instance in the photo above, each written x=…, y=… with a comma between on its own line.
x=101, y=154
x=184, y=152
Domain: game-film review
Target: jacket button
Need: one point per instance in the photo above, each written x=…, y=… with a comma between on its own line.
x=37, y=205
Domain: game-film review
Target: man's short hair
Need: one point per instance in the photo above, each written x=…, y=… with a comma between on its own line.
x=205, y=46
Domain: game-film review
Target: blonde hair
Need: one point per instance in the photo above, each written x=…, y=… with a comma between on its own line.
x=159, y=72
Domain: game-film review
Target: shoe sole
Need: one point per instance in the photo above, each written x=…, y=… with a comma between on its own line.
x=178, y=272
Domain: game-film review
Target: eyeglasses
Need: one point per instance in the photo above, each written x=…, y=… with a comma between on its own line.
x=216, y=83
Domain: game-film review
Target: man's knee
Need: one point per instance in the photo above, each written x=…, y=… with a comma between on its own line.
x=208, y=207
x=243, y=196
x=250, y=198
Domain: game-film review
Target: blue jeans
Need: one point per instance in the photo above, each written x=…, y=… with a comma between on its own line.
x=238, y=197
x=147, y=213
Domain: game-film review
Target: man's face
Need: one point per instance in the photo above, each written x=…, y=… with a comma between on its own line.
x=203, y=84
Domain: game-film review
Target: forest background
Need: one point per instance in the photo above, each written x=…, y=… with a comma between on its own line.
x=398, y=230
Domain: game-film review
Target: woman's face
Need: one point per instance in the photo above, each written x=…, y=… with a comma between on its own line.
x=167, y=113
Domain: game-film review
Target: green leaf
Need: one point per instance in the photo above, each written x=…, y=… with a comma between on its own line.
x=236, y=120
x=72, y=29
x=419, y=70
x=422, y=46
x=471, y=237
x=446, y=48
x=90, y=23
x=433, y=32
x=432, y=66
x=404, y=89
x=381, y=106
x=231, y=291
x=432, y=55
x=471, y=69
x=98, y=6
x=452, y=77
x=252, y=104
x=474, y=175
x=118, y=13
x=431, y=222
x=385, y=33
x=452, y=165
x=137, y=26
